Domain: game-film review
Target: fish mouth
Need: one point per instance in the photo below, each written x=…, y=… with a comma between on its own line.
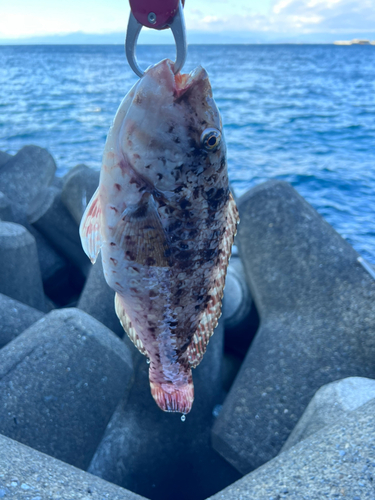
x=185, y=81
x=180, y=83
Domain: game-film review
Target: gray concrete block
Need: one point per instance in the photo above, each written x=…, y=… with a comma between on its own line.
x=330, y=403
x=62, y=281
x=51, y=218
x=58, y=182
x=231, y=367
x=27, y=474
x=26, y=174
x=157, y=455
x=335, y=463
x=317, y=309
x=237, y=299
x=80, y=184
x=20, y=276
x=15, y=317
x=98, y=299
x=6, y=212
x=4, y=157
x=50, y=305
x=51, y=263
x=240, y=315
x=60, y=382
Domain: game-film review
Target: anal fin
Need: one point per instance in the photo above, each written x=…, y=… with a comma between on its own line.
x=127, y=324
x=89, y=229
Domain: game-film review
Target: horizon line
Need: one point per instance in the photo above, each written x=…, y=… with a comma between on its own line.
x=10, y=44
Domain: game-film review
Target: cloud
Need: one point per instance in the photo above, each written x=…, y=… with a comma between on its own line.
x=211, y=19
x=290, y=17
x=336, y=16
x=293, y=16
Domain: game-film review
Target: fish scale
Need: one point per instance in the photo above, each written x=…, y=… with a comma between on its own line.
x=164, y=219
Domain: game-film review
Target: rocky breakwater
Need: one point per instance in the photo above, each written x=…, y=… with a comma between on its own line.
x=77, y=420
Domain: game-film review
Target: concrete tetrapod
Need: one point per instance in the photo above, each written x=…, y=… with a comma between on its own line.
x=329, y=404
x=52, y=265
x=80, y=184
x=157, y=455
x=15, y=317
x=60, y=382
x=98, y=299
x=62, y=280
x=4, y=157
x=237, y=299
x=6, y=212
x=27, y=474
x=20, y=276
x=317, y=310
x=25, y=175
x=52, y=219
x=335, y=463
x=241, y=319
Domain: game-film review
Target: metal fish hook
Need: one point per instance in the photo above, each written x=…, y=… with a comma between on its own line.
x=152, y=14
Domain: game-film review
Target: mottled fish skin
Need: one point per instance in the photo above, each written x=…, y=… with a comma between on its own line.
x=164, y=219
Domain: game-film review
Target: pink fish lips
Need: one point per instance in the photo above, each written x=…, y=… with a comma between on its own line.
x=164, y=219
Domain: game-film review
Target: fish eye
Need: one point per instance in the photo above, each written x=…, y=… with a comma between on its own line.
x=210, y=139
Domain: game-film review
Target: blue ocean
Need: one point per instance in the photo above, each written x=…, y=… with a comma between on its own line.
x=301, y=113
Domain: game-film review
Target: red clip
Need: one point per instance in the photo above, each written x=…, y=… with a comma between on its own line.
x=157, y=14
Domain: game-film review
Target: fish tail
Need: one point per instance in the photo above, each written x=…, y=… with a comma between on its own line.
x=173, y=398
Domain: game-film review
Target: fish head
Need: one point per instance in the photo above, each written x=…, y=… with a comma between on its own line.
x=172, y=126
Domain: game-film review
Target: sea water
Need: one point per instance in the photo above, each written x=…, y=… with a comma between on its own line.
x=301, y=113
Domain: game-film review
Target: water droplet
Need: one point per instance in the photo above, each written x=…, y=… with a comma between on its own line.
x=148, y=361
x=183, y=418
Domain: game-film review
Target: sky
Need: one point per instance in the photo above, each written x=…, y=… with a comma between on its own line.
x=26, y=18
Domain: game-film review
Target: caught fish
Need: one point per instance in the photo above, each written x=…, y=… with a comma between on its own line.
x=164, y=219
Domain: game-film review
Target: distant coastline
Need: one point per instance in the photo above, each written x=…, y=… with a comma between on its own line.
x=355, y=41
x=196, y=37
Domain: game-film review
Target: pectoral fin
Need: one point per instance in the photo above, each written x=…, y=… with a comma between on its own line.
x=141, y=234
x=89, y=229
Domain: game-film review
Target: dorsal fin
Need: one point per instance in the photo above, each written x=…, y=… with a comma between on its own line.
x=212, y=313
x=127, y=324
x=89, y=229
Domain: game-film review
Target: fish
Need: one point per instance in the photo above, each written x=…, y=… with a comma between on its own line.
x=164, y=219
